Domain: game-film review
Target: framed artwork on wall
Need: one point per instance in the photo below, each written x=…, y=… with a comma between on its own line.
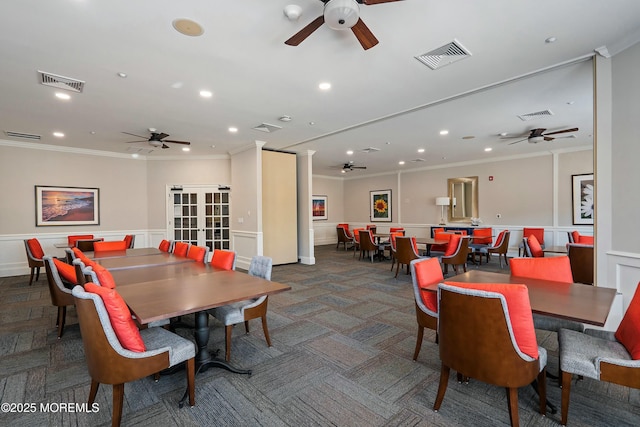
x=380, y=206
x=582, y=195
x=319, y=208
x=67, y=206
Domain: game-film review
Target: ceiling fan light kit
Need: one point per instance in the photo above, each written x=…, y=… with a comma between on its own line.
x=292, y=12
x=341, y=14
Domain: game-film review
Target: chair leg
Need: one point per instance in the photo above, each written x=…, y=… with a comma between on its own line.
x=227, y=338
x=37, y=273
x=62, y=314
x=542, y=391
x=191, y=382
x=512, y=401
x=93, y=391
x=418, y=342
x=33, y=269
x=246, y=326
x=118, y=398
x=566, y=390
x=397, y=268
x=442, y=387
x=265, y=329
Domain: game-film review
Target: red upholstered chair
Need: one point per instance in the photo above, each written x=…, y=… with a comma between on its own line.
x=396, y=230
x=372, y=227
x=86, y=245
x=602, y=355
x=181, y=249
x=60, y=294
x=165, y=246
x=528, y=231
x=406, y=251
x=576, y=237
x=34, y=257
x=346, y=229
x=72, y=239
x=439, y=234
x=198, y=253
x=356, y=240
x=368, y=245
x=482, y=236
x=117, y=245
x=456, y=254
x=130, y=239
x=223, y=259
x=502, y=352
x=425, y=272
x=500, y=247
x=532, y=247
x=343, y=237
x=392, y=246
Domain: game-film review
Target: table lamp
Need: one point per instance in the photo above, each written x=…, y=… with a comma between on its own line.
x=442, y=202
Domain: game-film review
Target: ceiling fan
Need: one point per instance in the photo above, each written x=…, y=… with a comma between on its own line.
x=538, y=135
x=341, y=15
x=157, y=139
x=349, y=167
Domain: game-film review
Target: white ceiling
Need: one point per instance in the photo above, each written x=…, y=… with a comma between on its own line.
x=382, y=97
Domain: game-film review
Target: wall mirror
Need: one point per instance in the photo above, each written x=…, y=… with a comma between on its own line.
x=463, y=198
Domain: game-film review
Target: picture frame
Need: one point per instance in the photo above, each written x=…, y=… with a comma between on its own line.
x=57, y=206
x=319, y=208
x=380, y=206
x=582, y=198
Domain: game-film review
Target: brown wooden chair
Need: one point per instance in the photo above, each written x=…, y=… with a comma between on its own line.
x=500, y=247
x=109, y=363
x=356, y=240
x=71, y=240
x=501, y=352
x=368, y=246
x=393, y=245
x=86, y=245
x=343, y=238
x=60, y=294
x=406, y=251
x=458, y=257
x=581, y=259
x=34, y=257
x=425, y=272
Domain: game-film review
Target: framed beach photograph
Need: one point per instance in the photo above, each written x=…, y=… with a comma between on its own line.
x=67, y=206
x=319, y=207
x=380, y=205
x=582, y=196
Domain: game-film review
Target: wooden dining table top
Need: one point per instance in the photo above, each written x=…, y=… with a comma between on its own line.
x=555, y=249
x=128, y=276
x=124, y=253
x=571, y=301
x=176, y=296
x=142, y=261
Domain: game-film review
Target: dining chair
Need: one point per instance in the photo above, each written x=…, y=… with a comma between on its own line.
x=181, y=249
x=482, y=236
x=86, y=245
x=393, y=245
x=60, y=294
x=346, y=229
x=130, y=239
x=503, y=352
x=457, y=253
x=198, y=253
x=223, y=259
x=34, y=257
x=581, y=260
x=356, y=240
x=535, y=231
x=581, y=238
x=165, y=246
x=343, y=237
x=440, y=234
x=71, y=240
x=117, y=245
x=368, y=246
x=602, y=355
x=246, y=310
x=109, y=361
x=425, y=272
x=500, y=247
x=406, y=251
x=532, y=247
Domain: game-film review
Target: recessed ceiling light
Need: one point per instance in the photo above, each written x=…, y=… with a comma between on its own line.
x=350, y=152
x=343, y=171
x=571, y=102
x=325, y=86
x=401, y=162
x=285, y=118
x=550, y=40
x=123, y=75
x=58, y=134
x=420, y=150
x=444, y=132
x=488, y=149
x=177, y=85
x=312, y=123
x=186, y=149
x=233, y=129
x=213, y=146
x=187, y=27
x=206, y=94
x=135, y=155
x=93, y=132
x=64, y=96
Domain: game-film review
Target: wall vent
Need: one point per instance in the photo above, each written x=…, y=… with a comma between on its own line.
x=444, y=55
x=266, y=127
x=22, y=135
x=531, y=116
x=370, y=150
x=60, y=82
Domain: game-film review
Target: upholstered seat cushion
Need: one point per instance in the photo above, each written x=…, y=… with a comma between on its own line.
x=231, y=314
x=581, y=353
x=66, y=271
x=180, y=349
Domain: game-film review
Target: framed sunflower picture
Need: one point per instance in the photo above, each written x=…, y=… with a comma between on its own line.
x=380, y=206
x=582, y=195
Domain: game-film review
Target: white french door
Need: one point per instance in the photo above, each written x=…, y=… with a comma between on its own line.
x=200, y=216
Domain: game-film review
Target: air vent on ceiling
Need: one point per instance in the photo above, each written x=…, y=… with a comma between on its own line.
x=60, y=82
x=266, y=127
x=444, y=55
x=370, y=150
x=531, y=116
x=21, y=135
x=139, y=150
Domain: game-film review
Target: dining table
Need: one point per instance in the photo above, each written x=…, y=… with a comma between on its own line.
x=430, y=241
x=123, y=253
x=555, y=250
x=124, y=262
x=571, y=301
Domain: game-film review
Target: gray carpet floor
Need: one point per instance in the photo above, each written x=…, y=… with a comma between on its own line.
x=343, y=341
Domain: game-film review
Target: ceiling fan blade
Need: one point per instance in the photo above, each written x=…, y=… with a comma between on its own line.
x=160, y=135
x=301, y=35
x=370, y=2
x=131, y=142
x=177, y=142
x=133, y=134
x=364, y=35
x=358, y=167
x=164, y=146
x=562, y=131
x=549, y=138
x=515, y=142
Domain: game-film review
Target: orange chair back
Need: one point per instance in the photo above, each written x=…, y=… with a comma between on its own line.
x=197, y=253
x=534, y=246
x=180, y=249
x=223, y=259
x=164, y=246
x=346, y=229
x=557, y=268
x=72, y=239
x=118, y=245
x=129, y=240
x=483, y=236
x=427, y=272
x=356, y=234
x=35, y=248
x=538, y=232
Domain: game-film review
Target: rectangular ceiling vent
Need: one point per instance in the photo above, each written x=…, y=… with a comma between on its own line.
x=531, y=116
x=60, y=82
x=444, y=55
x=139, y=150
x=266, y=127
x=22, y=135
x=370, y=150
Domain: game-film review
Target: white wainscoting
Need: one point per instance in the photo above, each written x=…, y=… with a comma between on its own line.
x=245, y=244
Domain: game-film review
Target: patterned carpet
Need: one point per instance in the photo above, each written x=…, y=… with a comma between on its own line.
x=343, y=339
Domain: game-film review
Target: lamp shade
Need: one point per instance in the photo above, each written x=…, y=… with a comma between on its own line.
x=341, y=14
x=442, y=201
